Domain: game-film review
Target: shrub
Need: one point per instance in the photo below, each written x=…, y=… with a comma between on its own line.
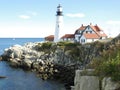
x=110, y=67
x=67, y=44
x=38, y=47
x=46, y=46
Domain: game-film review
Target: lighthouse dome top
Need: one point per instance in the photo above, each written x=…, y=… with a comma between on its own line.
x=59, y=7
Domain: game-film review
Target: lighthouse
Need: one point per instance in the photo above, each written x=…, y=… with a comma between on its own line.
x=59, y=23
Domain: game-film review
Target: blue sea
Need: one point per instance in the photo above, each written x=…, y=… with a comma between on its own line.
x=18, y=79
x=7, y=42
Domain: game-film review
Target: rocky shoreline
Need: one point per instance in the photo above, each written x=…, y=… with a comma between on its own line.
x=46, y=67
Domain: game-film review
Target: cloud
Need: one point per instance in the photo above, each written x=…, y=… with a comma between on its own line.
x=24, y=16
x=112, y=22
x=76, y=15
x=27, y=15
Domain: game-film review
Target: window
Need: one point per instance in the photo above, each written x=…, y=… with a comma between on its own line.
x=82, y=40
x=79, y=32
x=86, y=31
x=100, y=37
x=90, y=31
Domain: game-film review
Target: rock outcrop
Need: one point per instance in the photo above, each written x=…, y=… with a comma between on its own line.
x=47, y=65
x=84, y=80
x=0, y=58
x=108, y=84
x=2, y=77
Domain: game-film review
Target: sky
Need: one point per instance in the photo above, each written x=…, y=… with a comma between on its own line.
x=37, y=18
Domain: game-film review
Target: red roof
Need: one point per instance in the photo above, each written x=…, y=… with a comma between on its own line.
x=80, y=29
x=49, y=38
x=95, y=28
x=91, y=36
x=68, y=36
x=98, y=31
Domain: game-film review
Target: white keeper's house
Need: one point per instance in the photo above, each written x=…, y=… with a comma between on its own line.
x=84, y=34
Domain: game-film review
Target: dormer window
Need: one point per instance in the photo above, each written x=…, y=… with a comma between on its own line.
x=78, y=32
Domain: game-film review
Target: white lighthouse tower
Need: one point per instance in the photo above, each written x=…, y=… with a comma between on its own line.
x=59, y=23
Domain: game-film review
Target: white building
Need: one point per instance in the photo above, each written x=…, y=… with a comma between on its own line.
x=68, y=37
x=59, y=23
x=85, y=34
x=89, y=33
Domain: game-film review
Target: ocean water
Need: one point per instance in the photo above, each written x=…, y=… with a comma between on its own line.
x=7, y=42
x=18, y=79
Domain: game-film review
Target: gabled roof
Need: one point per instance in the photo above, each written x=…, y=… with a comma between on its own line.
x=91, y=36
x=95, y=28
x=68, y=36
x=80, y=29
x=98, y=31
x=49, y=38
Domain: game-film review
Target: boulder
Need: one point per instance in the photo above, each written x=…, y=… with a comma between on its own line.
x=108, y=84
x=2, y=76
x=13, y=52
x=35, y=65
x=15, y=62
x=0, y=58
x=26, y=64
x=86, y=82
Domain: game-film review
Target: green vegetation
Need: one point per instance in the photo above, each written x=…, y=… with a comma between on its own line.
x=108, y=65
x=69, y=44
x=46, y=47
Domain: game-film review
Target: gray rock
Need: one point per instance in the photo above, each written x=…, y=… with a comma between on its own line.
x=88, y=83
x=15, y=62
x=35, y=65
x=13, y=52
x=85, y=82
x=0, y=58
x=26, y=64
x=108, y=84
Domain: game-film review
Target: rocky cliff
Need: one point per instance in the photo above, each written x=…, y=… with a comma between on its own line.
x=106, y=65
x=86, y=80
